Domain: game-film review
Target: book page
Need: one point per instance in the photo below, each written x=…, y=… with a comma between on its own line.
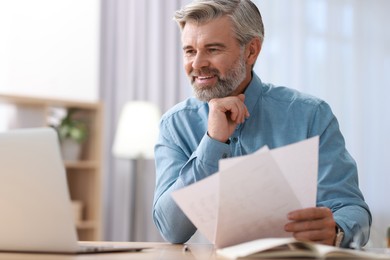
x=272, y=247
x=292, y=248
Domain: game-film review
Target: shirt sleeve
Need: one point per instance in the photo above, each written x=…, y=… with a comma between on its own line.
x=338, y=186
x=175, y=169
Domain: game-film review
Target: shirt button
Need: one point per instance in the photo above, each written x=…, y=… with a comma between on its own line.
x=234, y=139
x=224, y=155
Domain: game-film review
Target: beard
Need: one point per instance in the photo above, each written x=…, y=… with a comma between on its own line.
x=225, y=86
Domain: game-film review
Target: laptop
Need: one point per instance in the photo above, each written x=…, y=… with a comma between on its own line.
x=35, y=205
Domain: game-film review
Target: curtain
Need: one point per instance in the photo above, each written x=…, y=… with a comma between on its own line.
x=140, y=60
x=338, y=50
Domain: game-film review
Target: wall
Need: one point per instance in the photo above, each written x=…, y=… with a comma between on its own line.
x=50, y=48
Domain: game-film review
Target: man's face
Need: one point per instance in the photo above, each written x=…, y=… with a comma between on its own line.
x=213, y=60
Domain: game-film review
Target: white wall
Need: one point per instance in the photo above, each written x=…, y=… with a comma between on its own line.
x=50, y=48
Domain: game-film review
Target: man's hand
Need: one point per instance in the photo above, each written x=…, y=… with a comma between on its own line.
x=224, y=116
x=313, y=224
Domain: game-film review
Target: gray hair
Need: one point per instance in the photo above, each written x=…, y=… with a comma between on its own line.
x=245, y=16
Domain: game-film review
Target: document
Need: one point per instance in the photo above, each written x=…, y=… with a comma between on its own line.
x=250, y=196
x=270, y=248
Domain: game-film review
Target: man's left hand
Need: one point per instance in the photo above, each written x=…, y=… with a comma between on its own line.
x=312, y=224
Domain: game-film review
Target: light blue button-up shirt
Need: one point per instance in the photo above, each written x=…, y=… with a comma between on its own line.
x=185, y=154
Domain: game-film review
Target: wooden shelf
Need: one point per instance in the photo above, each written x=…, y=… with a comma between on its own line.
x=46, y=102
x=84, y=176
x=86, y=225
x=81, y=164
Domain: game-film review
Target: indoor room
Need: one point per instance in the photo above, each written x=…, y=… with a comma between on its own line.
x=111, y=69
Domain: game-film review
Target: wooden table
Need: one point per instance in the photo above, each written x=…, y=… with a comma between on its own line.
x=155, y=251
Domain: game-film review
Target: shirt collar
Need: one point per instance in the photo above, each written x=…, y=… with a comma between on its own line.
x=253, y=92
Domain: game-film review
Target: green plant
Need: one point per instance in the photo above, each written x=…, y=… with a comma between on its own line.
x=70, y=128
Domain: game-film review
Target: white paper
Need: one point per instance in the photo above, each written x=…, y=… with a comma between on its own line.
x=299, y=164
x=246, y=190
x=199, y=202
x=250, y=197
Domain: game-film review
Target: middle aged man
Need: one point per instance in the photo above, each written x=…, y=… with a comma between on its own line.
x=233, y=113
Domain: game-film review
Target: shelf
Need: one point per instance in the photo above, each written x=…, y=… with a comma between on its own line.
x=86, y=225
x=84, y=176
x=21, y=100
x=81, y=164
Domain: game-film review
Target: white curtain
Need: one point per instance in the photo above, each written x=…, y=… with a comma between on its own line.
x=338, y=50
x=140, y=60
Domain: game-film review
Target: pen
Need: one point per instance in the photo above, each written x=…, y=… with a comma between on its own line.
x=186, y=249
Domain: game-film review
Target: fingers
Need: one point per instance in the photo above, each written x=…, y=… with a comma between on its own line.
x=310, y=214
x=244, y=113
x=318, y=236
x=237, y=112
x=234, y=108
x=224, y=116
x=241, y=97
x=313, y=224
x=324, y=236
x=310, y=228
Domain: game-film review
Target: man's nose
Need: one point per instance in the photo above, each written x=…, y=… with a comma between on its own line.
x=200, y=61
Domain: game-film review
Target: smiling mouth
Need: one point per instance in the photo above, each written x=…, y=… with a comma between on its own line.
x=204, y=81
x=204, y=77
x=201, y=79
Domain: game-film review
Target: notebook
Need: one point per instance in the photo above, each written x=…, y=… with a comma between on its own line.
x=35, y=205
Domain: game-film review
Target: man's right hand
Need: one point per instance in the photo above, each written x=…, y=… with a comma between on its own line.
x=224, y=116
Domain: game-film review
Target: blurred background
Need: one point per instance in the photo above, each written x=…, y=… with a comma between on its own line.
x=116, y=51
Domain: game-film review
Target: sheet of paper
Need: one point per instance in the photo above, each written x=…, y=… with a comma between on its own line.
x=199, y=202
x=251, y=195
x=255, y=199
x=299, y=165
x=225, y=164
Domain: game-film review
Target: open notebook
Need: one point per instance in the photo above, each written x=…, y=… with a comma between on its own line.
x=35, y=206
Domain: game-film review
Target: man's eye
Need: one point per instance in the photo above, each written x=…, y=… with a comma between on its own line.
x=189, y=52
x=213, y=50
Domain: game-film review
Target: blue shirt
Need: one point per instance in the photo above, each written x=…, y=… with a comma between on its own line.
x=185, y=154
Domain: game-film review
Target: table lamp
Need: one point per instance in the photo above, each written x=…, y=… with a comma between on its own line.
x=135, y=137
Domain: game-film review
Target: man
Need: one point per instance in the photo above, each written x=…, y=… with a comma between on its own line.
x=234, y=113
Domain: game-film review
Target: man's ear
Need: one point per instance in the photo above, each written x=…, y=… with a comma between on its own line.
x=253, y=50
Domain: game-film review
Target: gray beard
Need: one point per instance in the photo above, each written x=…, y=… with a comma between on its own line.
x=224, y=86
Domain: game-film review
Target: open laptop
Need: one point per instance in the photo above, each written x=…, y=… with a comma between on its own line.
x=35, y=211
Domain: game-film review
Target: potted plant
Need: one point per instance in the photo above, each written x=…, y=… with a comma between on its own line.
x=72, y=134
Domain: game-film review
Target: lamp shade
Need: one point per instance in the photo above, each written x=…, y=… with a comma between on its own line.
x=137, y=130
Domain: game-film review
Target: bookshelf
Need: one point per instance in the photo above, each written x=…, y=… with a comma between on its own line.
x=83, y=175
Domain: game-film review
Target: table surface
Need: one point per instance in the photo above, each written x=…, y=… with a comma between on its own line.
x=155, y=251
x=160, y=251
